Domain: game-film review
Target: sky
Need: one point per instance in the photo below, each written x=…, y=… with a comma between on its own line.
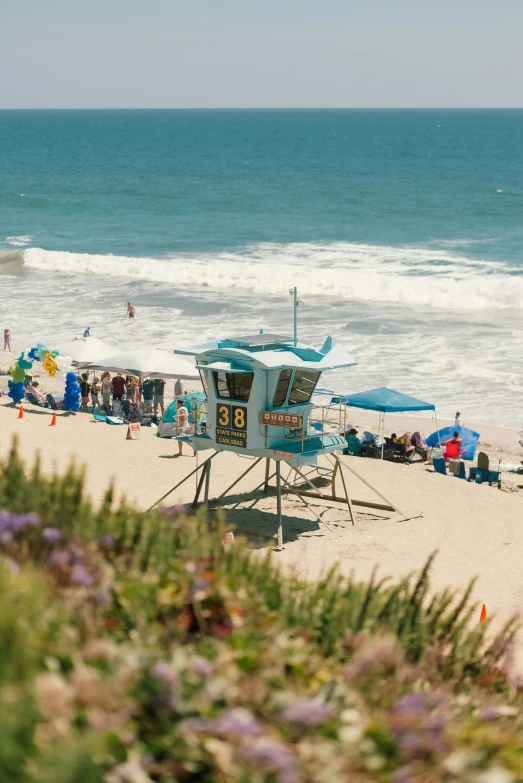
x=261, y=53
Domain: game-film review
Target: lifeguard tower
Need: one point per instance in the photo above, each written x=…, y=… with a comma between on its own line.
x=260, y=392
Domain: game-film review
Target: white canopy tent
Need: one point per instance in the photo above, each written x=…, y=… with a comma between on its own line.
x=86, y=349
x=147, y=363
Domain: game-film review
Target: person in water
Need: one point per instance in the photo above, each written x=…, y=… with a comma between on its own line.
x=130, y=310
x=87, y=332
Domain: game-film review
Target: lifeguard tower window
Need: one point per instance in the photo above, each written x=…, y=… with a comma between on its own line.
x=282, y=387
x=203, y=376
x=233, y=385
x=303, y=386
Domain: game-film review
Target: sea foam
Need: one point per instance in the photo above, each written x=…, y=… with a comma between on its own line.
x=417, y=276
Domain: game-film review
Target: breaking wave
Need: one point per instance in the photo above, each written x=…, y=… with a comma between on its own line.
x=417, y=276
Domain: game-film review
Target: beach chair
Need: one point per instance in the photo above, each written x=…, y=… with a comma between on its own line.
x=482, y=472
x=395, y=451
x=420, y=445
x=453, y=451
x=440, y=465
x=35, y=401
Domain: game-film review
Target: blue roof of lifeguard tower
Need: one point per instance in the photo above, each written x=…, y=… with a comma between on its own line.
x=269, y=352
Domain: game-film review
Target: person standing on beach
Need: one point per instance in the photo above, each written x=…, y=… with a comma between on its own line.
x=85, y=389
x=7, y=339
x=182, y=424
x=130, y=310
x=95, y=394
x=158, y=396
x=118, y=386
x=178, y=388
x=147, y=394
x=106, y=390
x=457, y=422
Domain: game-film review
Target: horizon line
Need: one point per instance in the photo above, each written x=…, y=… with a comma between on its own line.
x=261, y=108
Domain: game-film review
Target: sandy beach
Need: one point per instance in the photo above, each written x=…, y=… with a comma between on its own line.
x=475, y=529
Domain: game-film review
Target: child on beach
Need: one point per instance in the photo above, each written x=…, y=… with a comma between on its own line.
x=7, y=339
x=95, y=392
x=85, y=389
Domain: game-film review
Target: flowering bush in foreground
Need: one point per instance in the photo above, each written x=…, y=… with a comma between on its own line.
x=134, y=649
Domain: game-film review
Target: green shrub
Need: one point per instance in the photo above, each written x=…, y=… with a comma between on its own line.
x=134, y=648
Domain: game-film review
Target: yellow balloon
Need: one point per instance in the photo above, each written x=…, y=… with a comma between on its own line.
x=49, y=364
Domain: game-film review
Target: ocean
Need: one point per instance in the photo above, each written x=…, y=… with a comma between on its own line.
x=403, y=231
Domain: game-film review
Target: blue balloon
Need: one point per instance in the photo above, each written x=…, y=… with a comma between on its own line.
x=16, y=391
x=72, y=393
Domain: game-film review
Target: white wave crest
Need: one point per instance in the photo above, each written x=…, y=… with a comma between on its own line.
x=411, y=275
x=20, y=241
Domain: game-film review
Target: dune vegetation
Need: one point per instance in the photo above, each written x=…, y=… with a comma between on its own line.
x=135, y=648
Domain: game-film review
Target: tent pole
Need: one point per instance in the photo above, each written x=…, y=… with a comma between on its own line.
x=382, y=433
x=437, y=427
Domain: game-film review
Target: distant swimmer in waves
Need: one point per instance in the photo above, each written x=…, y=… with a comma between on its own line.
x=130, y=310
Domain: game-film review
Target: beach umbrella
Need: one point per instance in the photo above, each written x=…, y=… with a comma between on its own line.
x=148, y=363
x=469, y=439
x=86, y=349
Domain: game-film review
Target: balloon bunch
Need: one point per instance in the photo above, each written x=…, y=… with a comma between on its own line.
x=51, y=360
x=16, y=384
x=72, y=393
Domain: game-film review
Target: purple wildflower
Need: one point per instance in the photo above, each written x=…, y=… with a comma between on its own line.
x=308, y=712
x=17, y=522
x=11, y=564
x=198, y=589
x=233, y=724
x=164, y=671
x=102, y=598
x=106, y=541
x=404, y=775
x=51, y=534
x=271, y=756
x=6, y=537
x=60, y=558
x=414, y=704
x=201, y=666
x=489, y=713
x=236, y=722
x=412, y=744
x=80, y=576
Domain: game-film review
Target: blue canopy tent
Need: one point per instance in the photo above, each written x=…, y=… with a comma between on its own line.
x=385, y=401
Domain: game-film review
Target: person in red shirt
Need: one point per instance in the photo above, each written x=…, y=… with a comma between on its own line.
x=118, y=386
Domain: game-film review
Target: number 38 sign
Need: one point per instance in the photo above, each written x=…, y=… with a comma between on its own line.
x=231, y=425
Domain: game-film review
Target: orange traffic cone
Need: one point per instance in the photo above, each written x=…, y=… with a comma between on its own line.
x=483, y=615
x=20, y=412
x=53, y=420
